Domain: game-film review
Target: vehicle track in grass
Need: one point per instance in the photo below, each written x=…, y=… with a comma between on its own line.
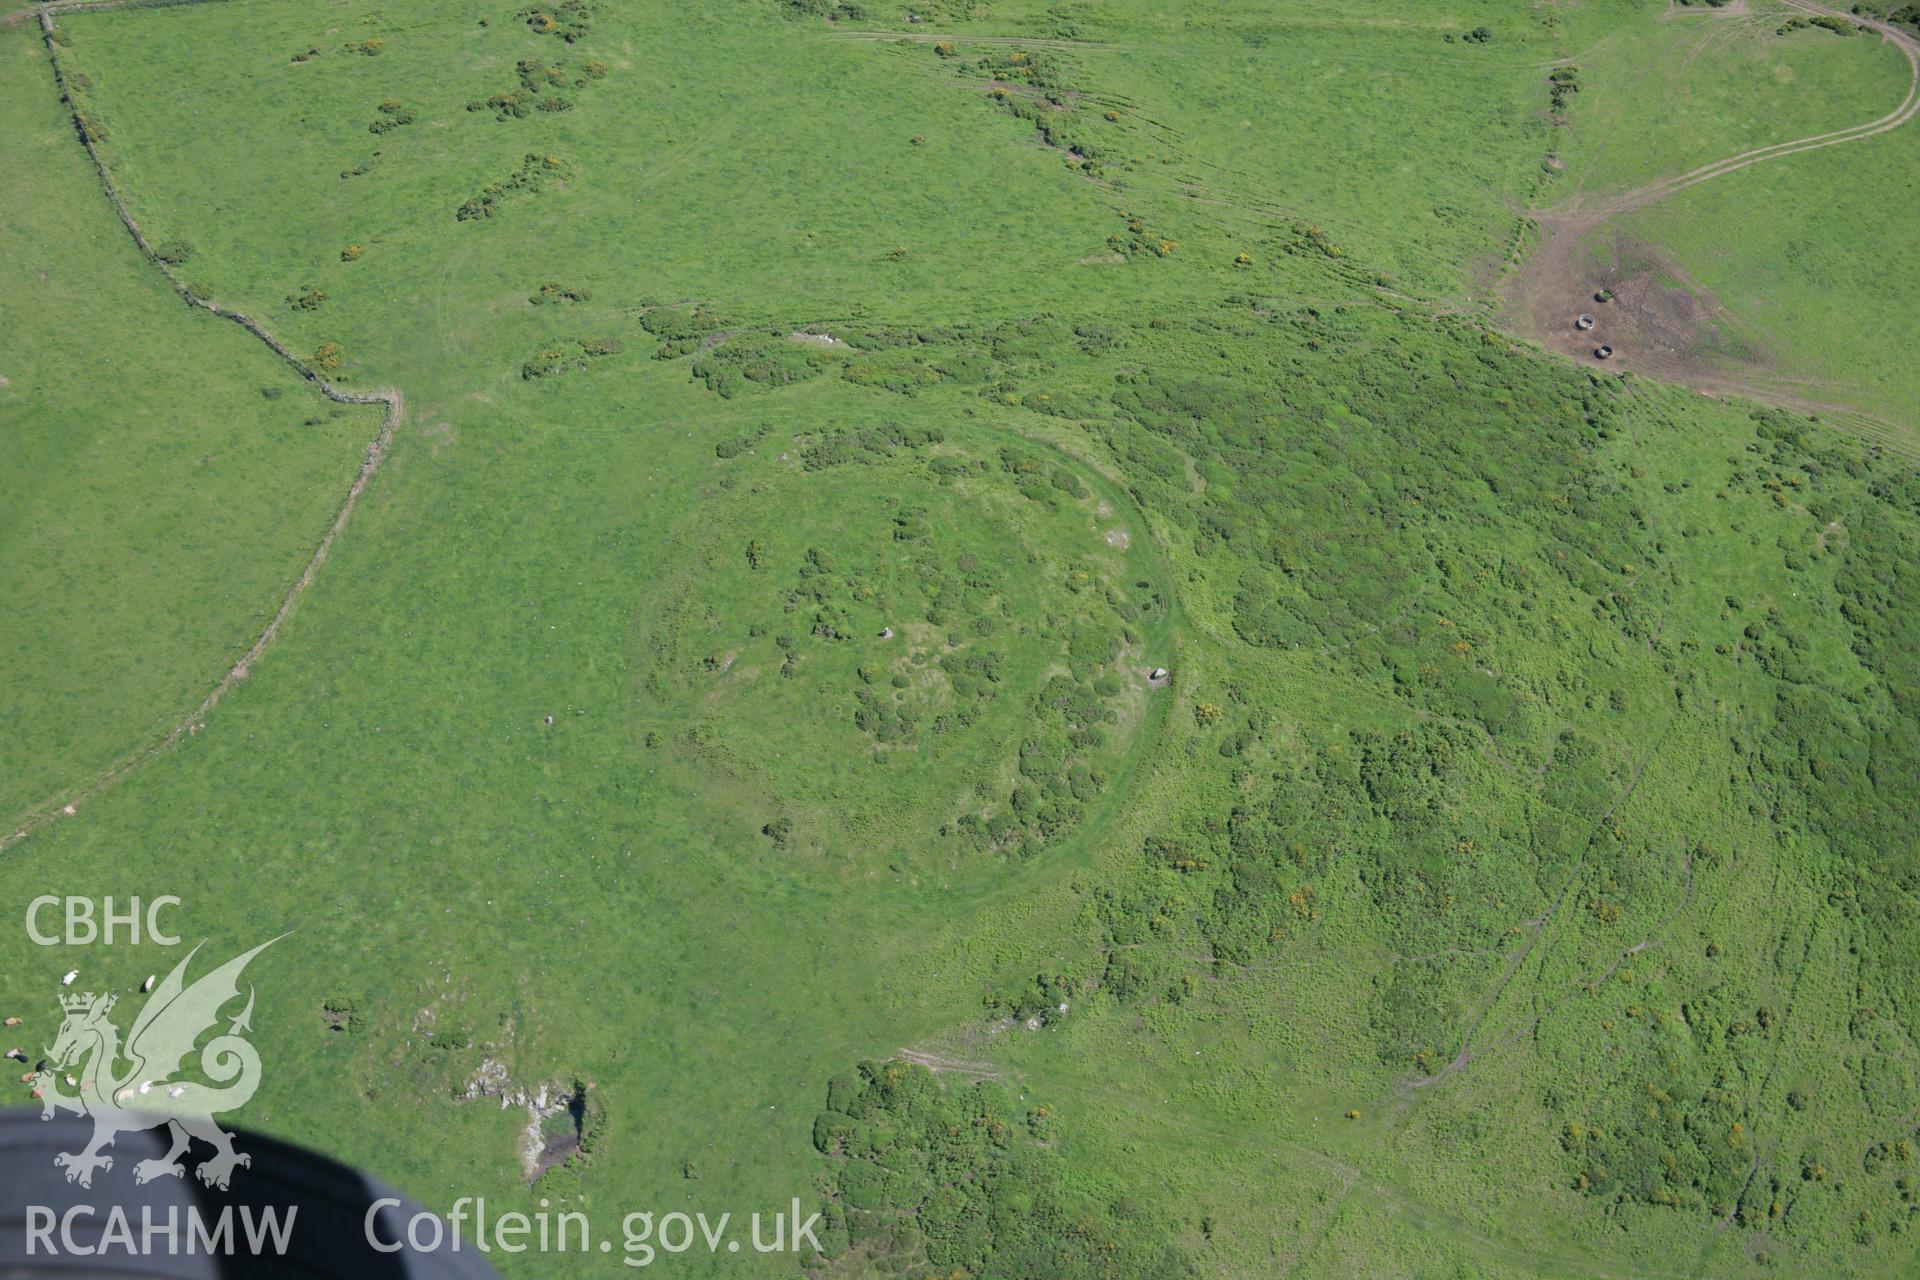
x=1587, y=216
x=1908, y=108
x=1676, y=334
x=69, y=803
x=1539, y=925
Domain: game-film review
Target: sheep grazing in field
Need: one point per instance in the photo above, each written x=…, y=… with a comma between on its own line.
x=13, y=1022
x=18, y=1055
x=147, y=986
x=71, y=975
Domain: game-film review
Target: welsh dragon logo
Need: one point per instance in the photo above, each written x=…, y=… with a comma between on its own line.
x=150, y=1092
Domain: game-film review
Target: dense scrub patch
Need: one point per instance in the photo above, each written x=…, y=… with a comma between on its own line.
x=1539, y=668
x=555, y=292
x=566, y=355
x=532, y=177
x=570, y=20
x=540, y=83
x=970, y=1181
x=393, y=115
x=764, y=360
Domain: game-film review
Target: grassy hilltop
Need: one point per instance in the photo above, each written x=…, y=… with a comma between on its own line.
x=733, y=691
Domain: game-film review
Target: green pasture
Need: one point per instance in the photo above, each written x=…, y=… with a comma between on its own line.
x=166, y=477
x=1665, y=88
x=1806, y=253
x=816, y=431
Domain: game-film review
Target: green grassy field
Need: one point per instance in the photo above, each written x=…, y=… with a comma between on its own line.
x=737, y=674
x=1814, y=266
x=1667, y=87
x=166, y=477
x=1798, y=257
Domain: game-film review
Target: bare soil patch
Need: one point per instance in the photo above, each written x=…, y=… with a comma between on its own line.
x=1657, y=319
x=1737, y=9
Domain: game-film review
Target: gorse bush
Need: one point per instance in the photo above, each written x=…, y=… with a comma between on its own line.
x=553, y=291
x=681, y=330
x=762, y=360
x=737, y=445
x=1140, y=239
x=568, y=355
x=1563, y=83
x=839, y=447
x=530, y=178
x=967, y=1183
x=569, y=19
x=392, y=116
x=1034, y=86
x=539, y=82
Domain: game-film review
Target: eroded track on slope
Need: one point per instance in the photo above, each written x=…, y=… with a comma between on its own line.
x=395, y=404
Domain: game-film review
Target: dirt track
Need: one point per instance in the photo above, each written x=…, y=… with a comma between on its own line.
x=1540, y=311
x=1659, y=321
x=1664, y=187
x=1908, y=108
x=45, y=813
